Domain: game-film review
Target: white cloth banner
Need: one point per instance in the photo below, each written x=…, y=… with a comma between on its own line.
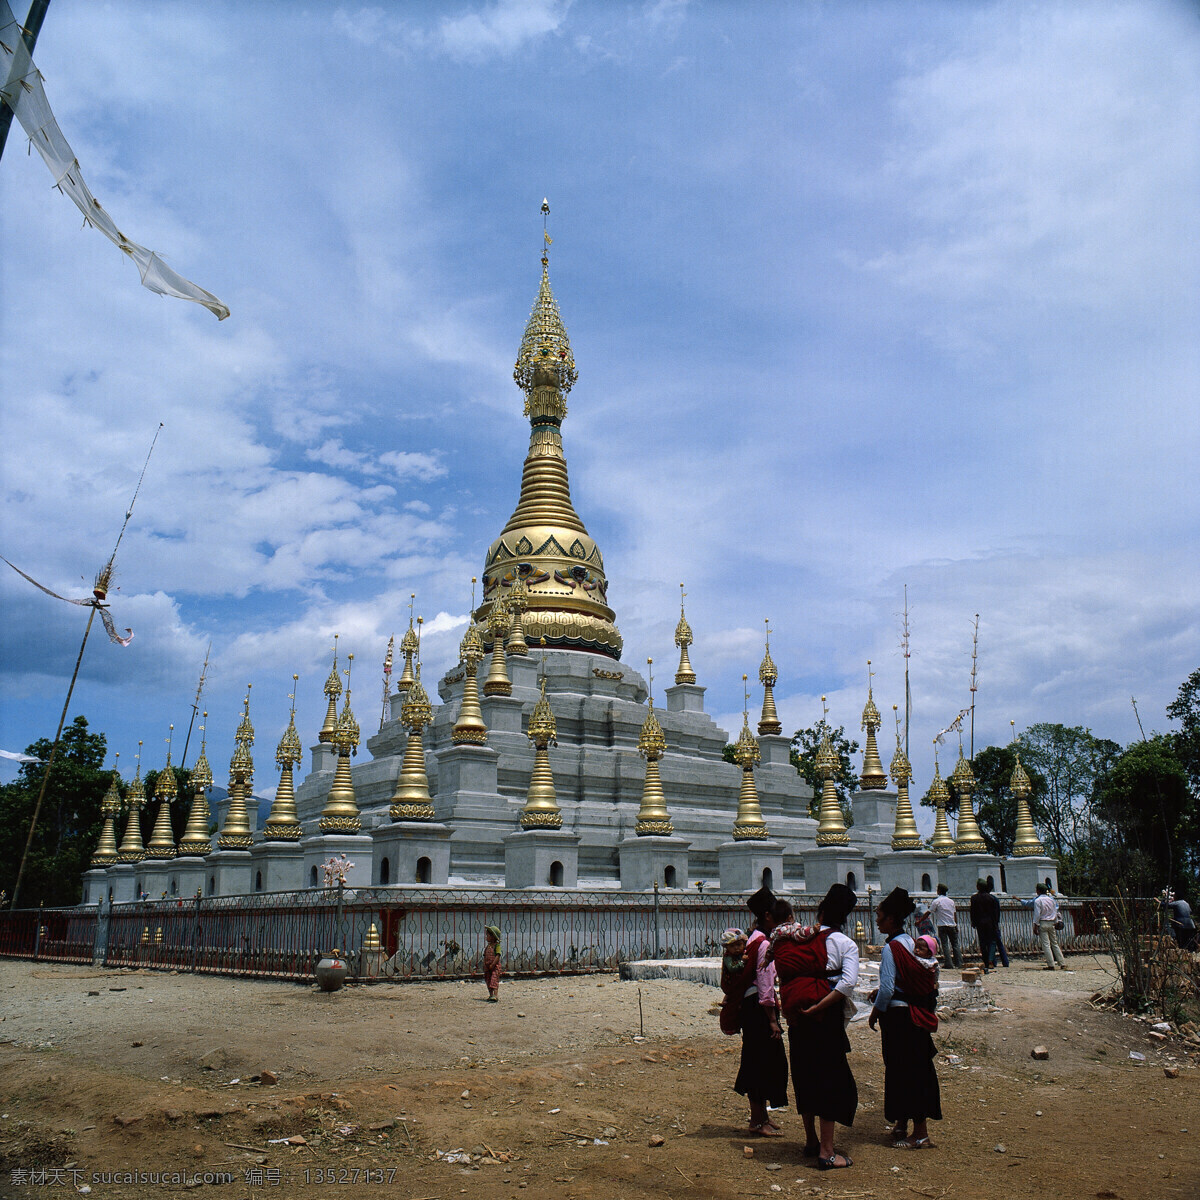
x=21, y=758
x=23, y=92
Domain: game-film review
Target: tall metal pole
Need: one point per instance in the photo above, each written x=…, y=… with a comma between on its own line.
x=195, y=706
x=29, y=35
x=974, y=685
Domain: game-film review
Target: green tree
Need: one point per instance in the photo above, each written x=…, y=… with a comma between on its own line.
x=68, y=825
x=803, y=755
x=1185, y=709
x=995, y=804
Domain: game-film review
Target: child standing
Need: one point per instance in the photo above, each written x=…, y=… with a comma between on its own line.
x=491, y=961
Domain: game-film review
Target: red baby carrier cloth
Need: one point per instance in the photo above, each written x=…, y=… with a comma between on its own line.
x=918, y=984
x=802, y=967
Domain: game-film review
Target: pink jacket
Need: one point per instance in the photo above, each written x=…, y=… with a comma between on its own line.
x=764, y=972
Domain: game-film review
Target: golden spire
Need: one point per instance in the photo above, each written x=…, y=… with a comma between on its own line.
x=545, y=545
x=831, y=823
x=340, y=814
x=1026, y=841
x=768, y=676
x=518, y=602
x=131, y=849
x=873, y=777
x=333, y=689
x=195, y=838
x=470, y=726
x=748, y=824
x=652, y=817
x=943, y=840
x=110, y=808
x=683, y=639
x=283, y=823
x=236, y=833
x=541, y=809
x=162, y=838
x=411, y=800
x=905, y=835
x=408, y=647
x=498, y=683
x=969, y=839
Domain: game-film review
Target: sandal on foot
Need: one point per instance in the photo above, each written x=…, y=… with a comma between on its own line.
x=914, y=1144
x=898, y=1135
x=831, y=1163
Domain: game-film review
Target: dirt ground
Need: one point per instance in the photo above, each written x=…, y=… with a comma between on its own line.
x=108, y=1072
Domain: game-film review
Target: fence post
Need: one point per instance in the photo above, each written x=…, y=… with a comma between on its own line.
x=658, y=952
x=195, y=930
x=37, y=939
x=100, y=938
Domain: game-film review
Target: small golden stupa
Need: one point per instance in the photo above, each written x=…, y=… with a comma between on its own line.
x=283, y=823
x=683, y=639
x=905, y=835
x=131, y=849
x=110, y=808
x=768, y=676
x=340, y=814
x=1026, y=842
x=541, y=809
x=470, y=727
x=333, y=689
x=236, y=833
x=873, y=777
x=943, y=840
x=411, y=800
x=162, y=837
x=831, y=822
x=409, y=645
x=653, y=817
x=497, y=682
x=748, y=824
x=969, y=839
x=196, y=840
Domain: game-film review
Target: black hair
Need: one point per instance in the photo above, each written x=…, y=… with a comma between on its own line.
x=943, y=890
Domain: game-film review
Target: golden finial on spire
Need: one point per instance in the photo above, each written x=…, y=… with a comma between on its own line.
x=653, y=817
x=518, y=602
x=110, y=808
x=162, y=837
x=748, y=824
x=541, y=809
x=333, y=689
x=1026, y=842
x=470, y=726
x=196, y=840
x=943, y=839
x=387, y=682
x=283, y=823
x=411, y=800
x=498, y=620
x=340, y=814
x=236, y=833
x=768, y=676
x=969, y=838
x=132, y=850
x=545, y=358
x=873, y=777
x=683, y=639
x=831, y=822
x=905, y=835
x=408, y=647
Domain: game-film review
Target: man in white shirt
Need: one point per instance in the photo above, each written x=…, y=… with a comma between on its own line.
x=1045, y=926
x=945, y=920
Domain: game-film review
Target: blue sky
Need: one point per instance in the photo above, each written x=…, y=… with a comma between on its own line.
x=861, y=295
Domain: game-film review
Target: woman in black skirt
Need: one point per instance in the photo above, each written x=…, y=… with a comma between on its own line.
x=905, y=1010
x=762, y=1073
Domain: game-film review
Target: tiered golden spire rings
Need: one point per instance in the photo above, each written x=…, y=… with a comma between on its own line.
x=236, y=833
x=409, y=645
x=653, y=817
x=943, y=840
x=162, y=838
x=545, y=357
x=683, y=639
x=470, y=727
x=969, y=839
x=340, y=814
x=498, y=683
x=195, y=840
x=131, y=849
x=831, y=823
x=411, y=800
x=873, y=777
x=333, y=689
x=541, y=809
x=905, y=835
x=768, y=676
x=110, y=808
x=748, y=824
x=518, y=602
x=283, y=824
x=1026, y=841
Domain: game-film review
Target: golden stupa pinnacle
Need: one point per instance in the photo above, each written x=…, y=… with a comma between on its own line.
x=943, y=840
x=162, y=838
x=333, y=689
x=131, y=849
x=283, y=823
x=196, y=839
x=831, y=822
x=873, y=777
x=905, y=835
x=470, y=727
x=969, y=839
x=340, y=814
x=497, y=682
x=683, y=639
x=1026, y=842
x=768, y=676
x=653, y=817
x=411, y=800
x=236, y=833
x=545, y=545
x=541, y=809
x=408, y=647
x=748, y=824
x=517, y=603
x=110, y=808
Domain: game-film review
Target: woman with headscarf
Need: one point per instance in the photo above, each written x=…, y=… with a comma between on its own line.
x=762, y=1072
x=817, y=968
x=905, y=1009
x=491, y=961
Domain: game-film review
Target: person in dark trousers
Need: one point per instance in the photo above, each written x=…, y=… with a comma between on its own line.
x=1183, y=924
x=991, y=887
x=945, y=918
x=985, y=917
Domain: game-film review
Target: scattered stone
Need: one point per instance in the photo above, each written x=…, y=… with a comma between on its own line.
x=112, y=989
x=93, y=993
x=656, y=1139
x=1162, y=1027
x=1039, y=1052
x=747, y=1151
x=465, y=1095
x=297, y=1139
x=1171, y=1072
x=1000, y=1148
x=135, y=1045
x=269, y=1077
x=608, y=1131
x=126, y=1121
x=521, y=1015
x=970, y=977
x=1155, y=1036
x=774, y=1167
x=172, y=1114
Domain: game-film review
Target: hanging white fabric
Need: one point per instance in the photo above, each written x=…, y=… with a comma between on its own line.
x=22, y=90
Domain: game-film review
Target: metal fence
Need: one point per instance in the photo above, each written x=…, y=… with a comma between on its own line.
x=435, y=933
